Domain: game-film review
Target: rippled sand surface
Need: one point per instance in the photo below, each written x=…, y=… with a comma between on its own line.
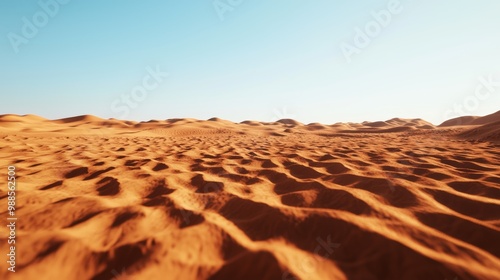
x=189, y=199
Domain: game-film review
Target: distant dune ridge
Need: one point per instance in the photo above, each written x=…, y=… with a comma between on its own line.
x=485, y=128
x=195, y=199
x=472, y=120
x=392, y=125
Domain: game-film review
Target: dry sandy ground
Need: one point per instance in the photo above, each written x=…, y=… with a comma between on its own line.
x=188, y=199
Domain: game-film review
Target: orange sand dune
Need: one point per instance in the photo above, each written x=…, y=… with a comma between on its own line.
x=192, y=199
x=487, y=132
x=472, y=120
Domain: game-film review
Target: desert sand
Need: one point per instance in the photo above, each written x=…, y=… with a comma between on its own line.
x=194, y=199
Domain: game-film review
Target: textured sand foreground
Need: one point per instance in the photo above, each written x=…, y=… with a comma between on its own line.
x=189, y=199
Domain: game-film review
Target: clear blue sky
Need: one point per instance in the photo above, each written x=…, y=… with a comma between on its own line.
x=261, y=60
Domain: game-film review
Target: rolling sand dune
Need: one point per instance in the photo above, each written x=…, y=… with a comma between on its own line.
x=191, y=199
x=487, y=132
x=472, y=120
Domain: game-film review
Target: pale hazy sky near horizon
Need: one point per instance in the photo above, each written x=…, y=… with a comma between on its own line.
x=258, y=60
